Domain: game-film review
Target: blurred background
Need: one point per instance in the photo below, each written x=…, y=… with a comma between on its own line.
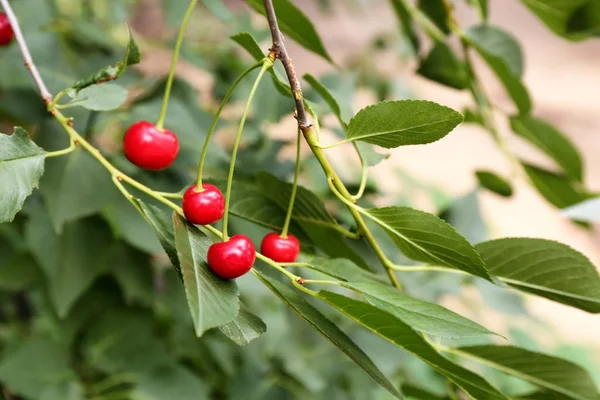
x=135, y=326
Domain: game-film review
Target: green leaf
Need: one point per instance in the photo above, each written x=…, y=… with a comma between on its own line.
x=503, y=54
x=545, y=268
x=76, y=186
x=556, y=13
x=394, y=330
x=212, y=301
x=21, y=167
x=437, y=12
x=552, y=373
x=296, y=25
x=71, y=390
x=133, y=272
x=443, y=66
x=482, y=7
x=551, y=141
x=244, y=328
x=343, y=269
x=406, y=25
x=399, y=123
x=326, y=95
x=586, y=211
x=170, y=382
x=424, y=237
x=555, y=188
x=19, y=273
x=415, y=393
x=422, y=316
x=329, y=330
x=100, y=97
x=585, y=21
x=494, y=183
x=34, y=365
x=131, y=57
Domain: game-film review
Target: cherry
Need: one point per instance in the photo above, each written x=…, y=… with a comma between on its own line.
x=280, y=249
x=205, y=207
x=6, y=31
x=149, y=147
x=233, y=258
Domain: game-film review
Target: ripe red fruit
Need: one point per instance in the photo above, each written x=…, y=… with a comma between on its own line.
x=6, y=32
x=233, y=258
x=150, y=148
x=203, y=208
x=280, y=249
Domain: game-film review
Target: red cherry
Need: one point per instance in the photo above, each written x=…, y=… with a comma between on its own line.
x=280, y=249
x=203, y=208
x=6, y=31
x=150, y=148
x=233, y=258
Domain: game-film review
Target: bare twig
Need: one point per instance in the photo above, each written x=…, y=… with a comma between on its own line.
x=14, y=23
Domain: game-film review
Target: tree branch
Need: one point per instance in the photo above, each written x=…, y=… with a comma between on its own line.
x=304, y=122
x=14, y=23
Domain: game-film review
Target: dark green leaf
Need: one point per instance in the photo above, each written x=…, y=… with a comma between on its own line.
x=131, y=56
x=19, y=273
x=399, y=123
x=329, y=330
x=212, y=300
x=551, y=141
x=555, y=14
x=343, y=269
x=295, y=24
x=244, y=328
x=441, y=65
x=21, y=166
x=415, y=393
x=394, y=330
x=170, y=382
x=424, y=237
x=100, y=97
x=437, y=12
x=422, y=316
x=406, y=24
x=552, y=373
x=585, y=21
x=586, y=211
x=503, y=54
x=494, y=183
x=545, y=268
x=134, y=274
x=557, y=189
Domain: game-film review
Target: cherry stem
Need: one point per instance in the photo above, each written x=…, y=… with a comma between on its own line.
x=364, y=168
x=176, y=50
x=216, y=119
x=288, y=217
x=267, y=63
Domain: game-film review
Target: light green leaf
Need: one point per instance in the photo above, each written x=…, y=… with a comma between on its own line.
x=21, y=167
x=551, y=141
x=503, y=54
x=100, y=97
x=394, y=330
x=586, y=211
x=400, y=123
x=424, y=237
x=552, y=373
x=329, y=330
x=212, y=301
x=422, y=316
x=437, y=13
x=170, y=382
x=343, y=269
x=545, y=268
x=557, y=189
x=443, y=66
x=71, y=390
x=295, y=24
x=494, y=183
x=244, y=328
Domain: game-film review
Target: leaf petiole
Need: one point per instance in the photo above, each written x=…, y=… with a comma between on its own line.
x=59, y=153
x=288, y=217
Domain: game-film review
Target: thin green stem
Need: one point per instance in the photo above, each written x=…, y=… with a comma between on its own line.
x=267, y=63
x=321, y=282
x=425, y=268
x=59, y=153
x=216, y=119
x=169, y=195
x=330, y=146
x=290, y=210
x=297, y=264
x=278, y=267
x=364, y=175
x=171, y=76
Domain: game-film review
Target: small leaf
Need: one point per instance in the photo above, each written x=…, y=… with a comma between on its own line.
x=399, y=123
x=586, y=211
x=112, y=72
x=424, y=237
x=295, y=24
x=395, y=331
x=100, y=97
x=555, y=188
x=244, y=328
x=441, y=65
x=422, y=316
x=329, y=330
x=503, y=54
x=552, y=373
x=212, y=301
x=21, y=167
x=551, y=141
x=545, y=268
x=494, y=183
